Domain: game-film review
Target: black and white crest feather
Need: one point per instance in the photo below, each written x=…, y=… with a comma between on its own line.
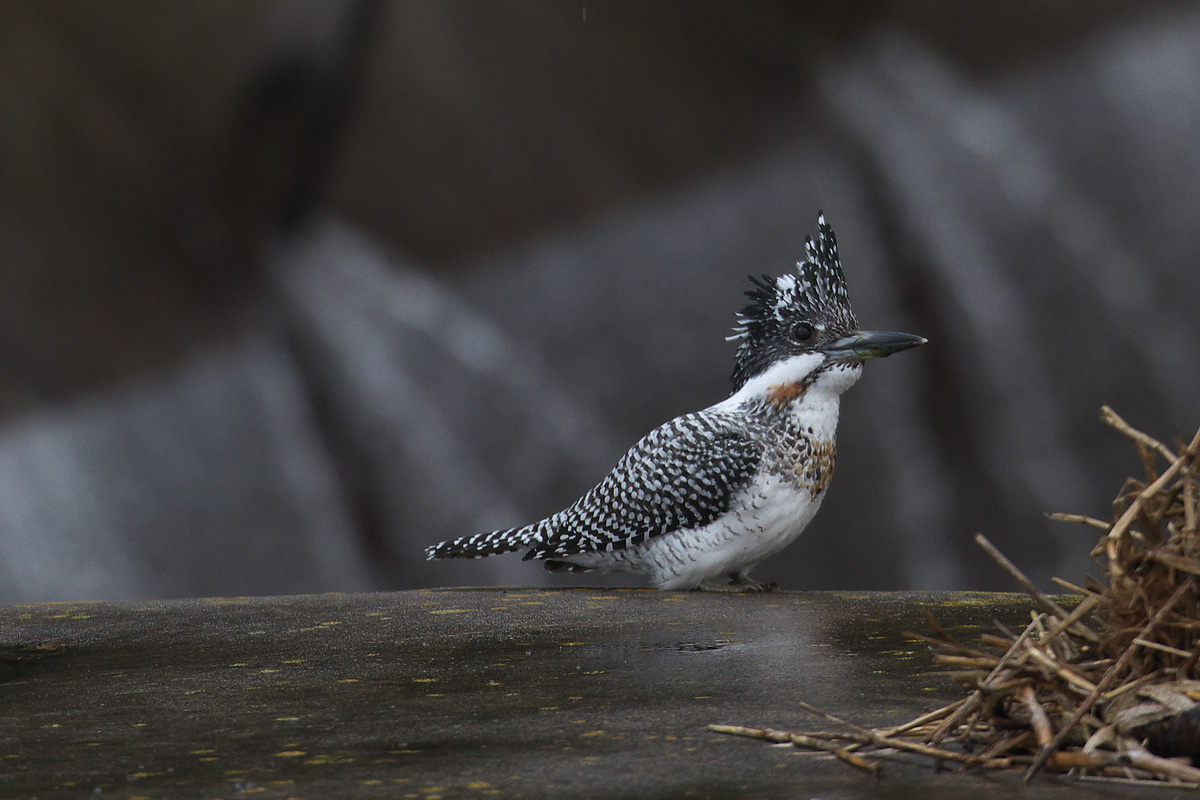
x=816, y=296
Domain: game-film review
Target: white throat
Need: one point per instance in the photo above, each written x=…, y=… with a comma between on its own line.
x=817, y=404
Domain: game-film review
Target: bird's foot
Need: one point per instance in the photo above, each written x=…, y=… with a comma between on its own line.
x=745, y=583
x=739, y=584
x=754, y=587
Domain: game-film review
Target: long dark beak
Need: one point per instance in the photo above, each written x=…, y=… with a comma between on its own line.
x=872, y=344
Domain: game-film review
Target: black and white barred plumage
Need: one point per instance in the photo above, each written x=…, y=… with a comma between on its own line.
x=680, y=475
x=713, y=492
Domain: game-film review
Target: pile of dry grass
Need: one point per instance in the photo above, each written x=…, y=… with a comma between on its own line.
x=1107, y=689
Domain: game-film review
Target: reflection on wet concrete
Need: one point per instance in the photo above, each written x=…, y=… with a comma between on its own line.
x=438, y=693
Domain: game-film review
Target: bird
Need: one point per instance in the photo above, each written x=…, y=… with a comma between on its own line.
x=703, y=498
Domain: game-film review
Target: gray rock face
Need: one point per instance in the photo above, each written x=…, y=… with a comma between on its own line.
x=205, y=481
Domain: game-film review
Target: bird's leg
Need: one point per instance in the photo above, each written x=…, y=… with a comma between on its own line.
x=745, y=583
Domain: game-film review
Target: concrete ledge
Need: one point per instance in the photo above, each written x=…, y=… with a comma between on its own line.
x=471, y=693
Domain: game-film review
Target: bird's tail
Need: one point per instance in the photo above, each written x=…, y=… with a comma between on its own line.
x=486, y=544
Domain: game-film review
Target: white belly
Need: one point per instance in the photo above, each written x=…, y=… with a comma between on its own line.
x=768, y=518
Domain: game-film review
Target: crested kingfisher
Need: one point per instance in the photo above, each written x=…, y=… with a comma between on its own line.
x=708, y=495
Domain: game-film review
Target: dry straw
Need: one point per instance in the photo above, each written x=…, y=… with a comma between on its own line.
x=1104, y=685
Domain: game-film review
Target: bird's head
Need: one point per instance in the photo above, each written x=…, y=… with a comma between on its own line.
x=807, y=313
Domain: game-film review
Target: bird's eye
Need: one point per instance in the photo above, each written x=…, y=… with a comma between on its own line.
x=802, y=331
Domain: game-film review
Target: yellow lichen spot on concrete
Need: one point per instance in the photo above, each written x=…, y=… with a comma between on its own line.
x=290, y=754
x=451, y=610
x=268, y=671
x=294, y=660
x=704, y=697
x=348, y=680
x=572, y=644
x=372, y=782
x=287, y=719
x=240, y=664
x=425, y=680
x=592, y=733
x=52, y=725
x=479, y=785
x=574, y=697
x=200, y=752
x=434, y=694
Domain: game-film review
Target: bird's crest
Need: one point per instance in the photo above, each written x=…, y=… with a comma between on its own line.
x=815, y=294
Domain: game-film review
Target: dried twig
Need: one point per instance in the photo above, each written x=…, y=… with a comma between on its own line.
x=1059, y=516
x=1026, y=584
x=1113, y=419
x=800, y=740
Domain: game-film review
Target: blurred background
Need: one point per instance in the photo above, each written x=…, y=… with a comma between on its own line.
x=291, y=290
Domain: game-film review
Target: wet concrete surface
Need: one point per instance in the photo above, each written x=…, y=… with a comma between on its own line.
x=580, y=693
